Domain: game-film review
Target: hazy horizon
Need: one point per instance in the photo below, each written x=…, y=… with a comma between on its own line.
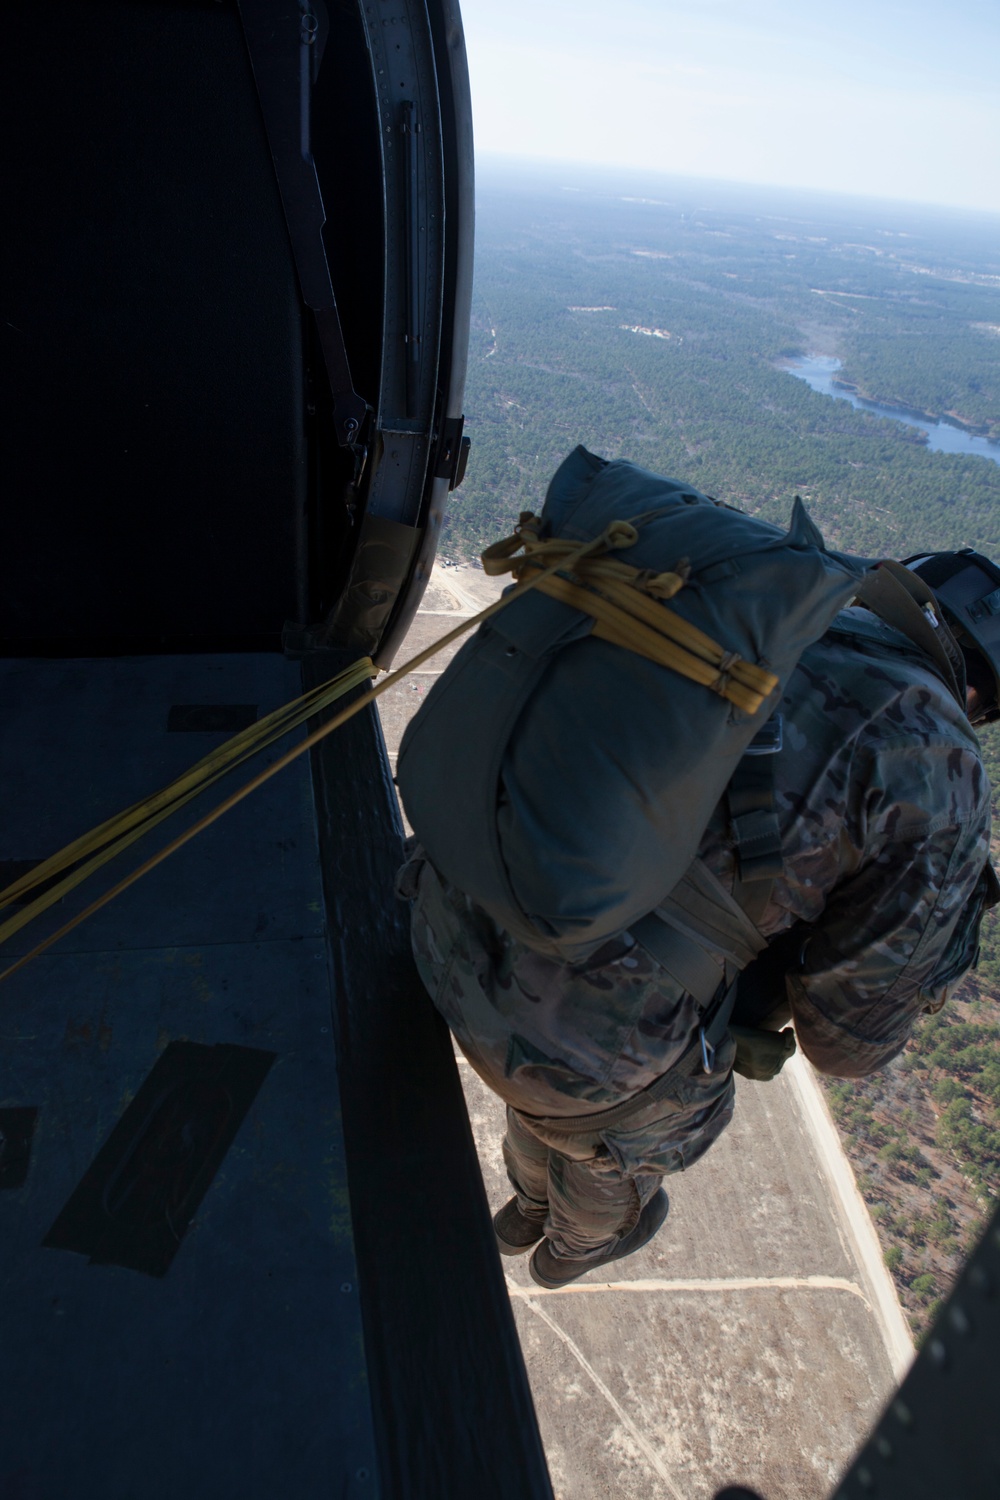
x=895, y=102
x=613, y=176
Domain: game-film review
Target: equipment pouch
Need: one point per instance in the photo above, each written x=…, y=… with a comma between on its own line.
x=760, y=1054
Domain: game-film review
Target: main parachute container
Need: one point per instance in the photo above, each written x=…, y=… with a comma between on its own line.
x=564, y=782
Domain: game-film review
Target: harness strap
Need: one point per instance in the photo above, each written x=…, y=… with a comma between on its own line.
x=700, y=908
x=753, y=821
x=903, y=600
x=690, y=963
x=700, y=934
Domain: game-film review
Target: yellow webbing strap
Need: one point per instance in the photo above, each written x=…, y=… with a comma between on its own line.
x=94, y=849
x=626, y=604
x=110, y=838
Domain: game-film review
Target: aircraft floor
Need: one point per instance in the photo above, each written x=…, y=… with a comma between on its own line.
x=146, y=1352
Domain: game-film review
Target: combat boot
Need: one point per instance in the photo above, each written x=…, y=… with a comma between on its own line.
x=550, y=1270
x=516, y=1231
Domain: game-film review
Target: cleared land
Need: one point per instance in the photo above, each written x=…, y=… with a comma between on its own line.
x=756, y=1338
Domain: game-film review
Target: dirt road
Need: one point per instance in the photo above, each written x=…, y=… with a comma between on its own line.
x=854, y=1214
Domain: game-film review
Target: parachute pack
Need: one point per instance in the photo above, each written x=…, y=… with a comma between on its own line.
x=560, y=775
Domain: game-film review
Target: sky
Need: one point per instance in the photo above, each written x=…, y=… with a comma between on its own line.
x=871, y=97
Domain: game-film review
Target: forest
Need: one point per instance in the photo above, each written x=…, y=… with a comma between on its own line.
x=564, y=278
x=649, y=320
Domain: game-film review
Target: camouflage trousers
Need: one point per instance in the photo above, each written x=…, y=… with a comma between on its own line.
x=584, y=1204
x=592, y=1187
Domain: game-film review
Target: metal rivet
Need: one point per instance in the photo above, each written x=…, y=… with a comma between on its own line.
x=347, y=1286
x=362, y=1474
x=959, y=1318
x=937, y=1353
x=324, y=1030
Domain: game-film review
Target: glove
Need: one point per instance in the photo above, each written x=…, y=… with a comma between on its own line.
x=761, y=1054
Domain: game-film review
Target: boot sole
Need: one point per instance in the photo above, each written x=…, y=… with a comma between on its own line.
x=649, y=1224
x=507, y=1247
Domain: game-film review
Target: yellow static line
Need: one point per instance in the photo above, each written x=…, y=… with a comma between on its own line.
x=60, y=860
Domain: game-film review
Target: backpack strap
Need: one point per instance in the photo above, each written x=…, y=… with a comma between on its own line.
x=903, y=600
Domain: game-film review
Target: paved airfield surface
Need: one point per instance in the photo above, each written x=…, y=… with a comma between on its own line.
x=757, y=1337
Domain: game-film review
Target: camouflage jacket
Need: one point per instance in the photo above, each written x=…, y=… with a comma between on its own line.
x=884, y=809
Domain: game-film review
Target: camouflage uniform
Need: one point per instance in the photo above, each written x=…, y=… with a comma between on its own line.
x=884, y=809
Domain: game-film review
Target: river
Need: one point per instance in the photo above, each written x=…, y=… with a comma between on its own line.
x=819, y=371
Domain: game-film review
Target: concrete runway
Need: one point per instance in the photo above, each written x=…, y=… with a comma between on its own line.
x=756, y=1339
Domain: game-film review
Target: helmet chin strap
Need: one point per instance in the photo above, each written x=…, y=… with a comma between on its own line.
x=903, y=600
